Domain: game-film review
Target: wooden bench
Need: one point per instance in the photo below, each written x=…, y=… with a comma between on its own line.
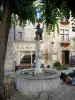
x=23, y=66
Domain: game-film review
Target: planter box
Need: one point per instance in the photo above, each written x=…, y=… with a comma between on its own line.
x=64, y=22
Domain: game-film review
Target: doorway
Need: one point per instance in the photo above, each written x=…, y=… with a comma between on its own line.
x=65, y=57
x=33, y=58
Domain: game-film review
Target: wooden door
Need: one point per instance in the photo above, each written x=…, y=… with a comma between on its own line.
x=65, y=57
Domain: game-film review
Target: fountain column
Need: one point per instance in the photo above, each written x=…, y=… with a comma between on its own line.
x=37, y=59
x=37, y=65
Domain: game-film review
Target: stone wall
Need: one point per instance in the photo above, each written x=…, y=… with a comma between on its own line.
x=9, y=54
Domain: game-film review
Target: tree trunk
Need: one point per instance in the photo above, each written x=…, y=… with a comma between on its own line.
x=4, y=30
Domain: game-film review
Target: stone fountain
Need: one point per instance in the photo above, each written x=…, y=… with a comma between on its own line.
x=35, y=80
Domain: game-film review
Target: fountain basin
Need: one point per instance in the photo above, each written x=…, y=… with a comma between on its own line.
x=35, y=84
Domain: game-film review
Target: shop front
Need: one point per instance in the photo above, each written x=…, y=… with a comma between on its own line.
x=24, y=55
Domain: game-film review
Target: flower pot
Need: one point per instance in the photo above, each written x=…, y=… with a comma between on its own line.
x=64, y=22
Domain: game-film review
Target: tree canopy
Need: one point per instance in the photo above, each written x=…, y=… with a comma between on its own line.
x=56, y=10
x=52, y=10
x=23, y=8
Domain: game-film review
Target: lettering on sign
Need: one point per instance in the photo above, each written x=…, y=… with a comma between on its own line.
x=24, y=47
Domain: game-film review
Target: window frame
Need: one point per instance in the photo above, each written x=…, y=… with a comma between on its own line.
x=19, y=35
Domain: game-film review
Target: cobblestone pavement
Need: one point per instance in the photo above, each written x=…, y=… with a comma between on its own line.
x=63, y=92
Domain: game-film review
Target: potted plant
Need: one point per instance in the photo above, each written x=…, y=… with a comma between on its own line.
x=66, y=44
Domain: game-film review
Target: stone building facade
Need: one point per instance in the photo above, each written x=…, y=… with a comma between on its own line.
x=24, y=46
x=21, y=46
x=61, y=47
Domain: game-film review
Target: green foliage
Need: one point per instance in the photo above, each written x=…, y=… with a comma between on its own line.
x=24, y=9
x=64, y=67
x=71, y=6
x=58, y=66
x=52, y=11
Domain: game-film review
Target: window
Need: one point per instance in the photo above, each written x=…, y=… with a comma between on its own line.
x=26, y=59
x=61, y=38
x=73, y=29
x=66, y=38
x=19, y=35
x=61, y=31
x=66, y=31
x=64, y=35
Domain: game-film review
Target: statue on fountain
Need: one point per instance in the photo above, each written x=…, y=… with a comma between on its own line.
x=38, y=32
